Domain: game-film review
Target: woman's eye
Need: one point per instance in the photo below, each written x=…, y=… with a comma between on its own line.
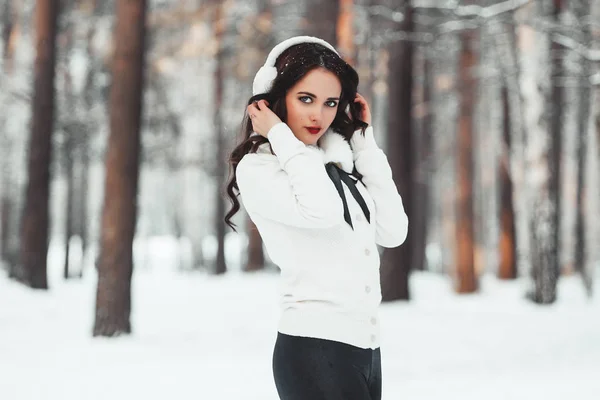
x=306, y=99
x=331, y=103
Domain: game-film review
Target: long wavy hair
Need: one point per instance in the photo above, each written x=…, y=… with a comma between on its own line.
x=292, y=65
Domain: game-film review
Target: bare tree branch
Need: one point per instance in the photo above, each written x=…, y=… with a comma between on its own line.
x=393, y=36
x=472, y=10
x=579, y=48
x=386, y=12
x=455, y=26
x=381, y=11
x=542, y=25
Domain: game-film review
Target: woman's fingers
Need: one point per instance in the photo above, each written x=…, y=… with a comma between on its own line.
x=253, y=110
x=365, y=111
x=262, y=117
x=361, y=100
x=257, y=106
x=262, y=104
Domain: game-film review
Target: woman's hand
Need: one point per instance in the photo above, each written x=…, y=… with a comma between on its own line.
x=365, y=112
x=262, y=117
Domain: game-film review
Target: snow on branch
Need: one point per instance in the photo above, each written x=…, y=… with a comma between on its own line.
x=394, y=36
x=455, y=26
x=542, y=25
x=472, y=10
x=582, y=50
x=386, y=12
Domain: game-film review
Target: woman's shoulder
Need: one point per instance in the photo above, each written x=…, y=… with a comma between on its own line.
x=257, y=172
x=258, y=162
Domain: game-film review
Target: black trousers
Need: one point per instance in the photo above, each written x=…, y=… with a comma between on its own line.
x=318, y=369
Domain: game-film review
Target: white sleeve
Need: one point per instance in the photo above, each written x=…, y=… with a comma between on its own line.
x=371, y=162
x=292, y=187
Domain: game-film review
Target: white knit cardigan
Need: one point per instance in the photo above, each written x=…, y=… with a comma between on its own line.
x=330, y=285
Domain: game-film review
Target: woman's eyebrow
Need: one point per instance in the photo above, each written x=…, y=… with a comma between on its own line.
x=312, y=95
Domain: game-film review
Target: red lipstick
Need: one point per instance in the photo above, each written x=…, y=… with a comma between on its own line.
x=313, y=129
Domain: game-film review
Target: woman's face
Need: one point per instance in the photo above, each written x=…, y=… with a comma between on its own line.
x=312, y=104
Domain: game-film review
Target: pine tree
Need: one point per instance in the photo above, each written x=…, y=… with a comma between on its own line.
x=544, y=168
x=119, y=215
x=35, y=220
x=465, y=263
x=396, y=262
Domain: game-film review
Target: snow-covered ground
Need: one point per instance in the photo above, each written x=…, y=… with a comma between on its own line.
x=202, y=337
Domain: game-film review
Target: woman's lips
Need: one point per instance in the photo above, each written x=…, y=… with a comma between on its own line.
x=314, y=131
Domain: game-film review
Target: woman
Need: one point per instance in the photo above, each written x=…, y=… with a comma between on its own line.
x=321, y=194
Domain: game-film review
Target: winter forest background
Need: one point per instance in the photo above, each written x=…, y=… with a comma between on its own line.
x=116, y=122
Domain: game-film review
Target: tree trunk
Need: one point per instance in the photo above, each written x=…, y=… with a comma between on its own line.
x=556, y=127
x=70, y=199
x=9, y=236
x=35, y=221
x=345, y=31
x=508, y=245
x=119, y=215
x=585, y=105
x=591, y=12
x=423, y=146
x=82, y=179
x=395, y=263
x=256, y=256
x=512, y=186
x=544, y=170
x=8, y=250
x=69, y=132
x=306, y=17
x=465, y=264
x=319, y=19
x=597, y=123
x=80, y=213
x=219, y=77
x=4, y=213
x=364, y=50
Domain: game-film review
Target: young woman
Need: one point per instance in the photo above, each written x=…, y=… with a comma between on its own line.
x=321, y=194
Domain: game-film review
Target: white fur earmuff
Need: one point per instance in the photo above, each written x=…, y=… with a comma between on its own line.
x=267, y=73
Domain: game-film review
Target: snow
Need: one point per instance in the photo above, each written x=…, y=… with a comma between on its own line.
x=206, y=337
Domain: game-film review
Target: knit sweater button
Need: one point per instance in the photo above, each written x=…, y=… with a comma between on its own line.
x=367, y=252
x=358, y=217
x=374, y=321
x=373, y=338
x=367, y=289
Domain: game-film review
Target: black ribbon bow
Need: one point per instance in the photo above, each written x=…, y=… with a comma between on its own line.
x=338, y=176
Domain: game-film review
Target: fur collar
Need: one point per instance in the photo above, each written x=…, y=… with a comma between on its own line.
x=332, y=146
x=337, y=150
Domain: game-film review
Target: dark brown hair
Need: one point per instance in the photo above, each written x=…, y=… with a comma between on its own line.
x=292, y=65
